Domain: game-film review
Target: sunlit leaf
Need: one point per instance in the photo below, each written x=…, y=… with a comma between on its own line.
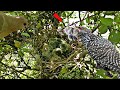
x=114, y=36
x=25, y=34
x=109, y=12
x=117, y=19
x=106, y=21
x=17, y=44
x=64, y=70
x=20, y=53
x=101, y=73
x=103, y=29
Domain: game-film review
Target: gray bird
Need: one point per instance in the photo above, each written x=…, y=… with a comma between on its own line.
x=100, y=49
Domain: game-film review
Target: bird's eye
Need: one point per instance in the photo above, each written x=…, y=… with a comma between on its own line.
x=24, y=24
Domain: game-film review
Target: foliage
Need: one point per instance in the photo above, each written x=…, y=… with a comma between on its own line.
x=41, y=51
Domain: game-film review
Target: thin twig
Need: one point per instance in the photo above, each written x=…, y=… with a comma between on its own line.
x=70, y=14
x=74, y=23
x=96, y=28
x=81, y=20
x=98, y=25
x=84, y=16
x=79, y=16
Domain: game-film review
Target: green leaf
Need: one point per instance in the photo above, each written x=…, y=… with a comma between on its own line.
x=64, y=70
x=2, y=43
x=103, y=29
x=117, y=19
x=25, y=34
x=20, y=53
x=25, y=49
x=114, y=36
x=17, y=44
x=95, y=19
x=101, y=73
x=38, y=25
x=106, y=21
x=82, y=23
x=64, y=14
x=109, y=12
x=87, y=20
x=8, y=46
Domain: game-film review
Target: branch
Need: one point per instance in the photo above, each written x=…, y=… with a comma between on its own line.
x=74, y=23
x=27, y=67
x=70, y=13
x=96, y=28
x=80, y=21
x=79, y=16
x=84, y=16
x=98, y=24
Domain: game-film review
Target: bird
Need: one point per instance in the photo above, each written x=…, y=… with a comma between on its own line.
x=9, y=24
x=100, y=49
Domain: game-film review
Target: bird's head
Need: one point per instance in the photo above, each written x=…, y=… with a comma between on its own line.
x=83, y=31
x=71, y=32
x=77, y=33
x=22, y=22
x=81, y=28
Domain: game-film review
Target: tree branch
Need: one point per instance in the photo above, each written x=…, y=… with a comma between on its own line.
x=84, y=16
x=80, y=21
x=79, y=16
x=70, y=13
x=97, y=25
x=96, y=28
